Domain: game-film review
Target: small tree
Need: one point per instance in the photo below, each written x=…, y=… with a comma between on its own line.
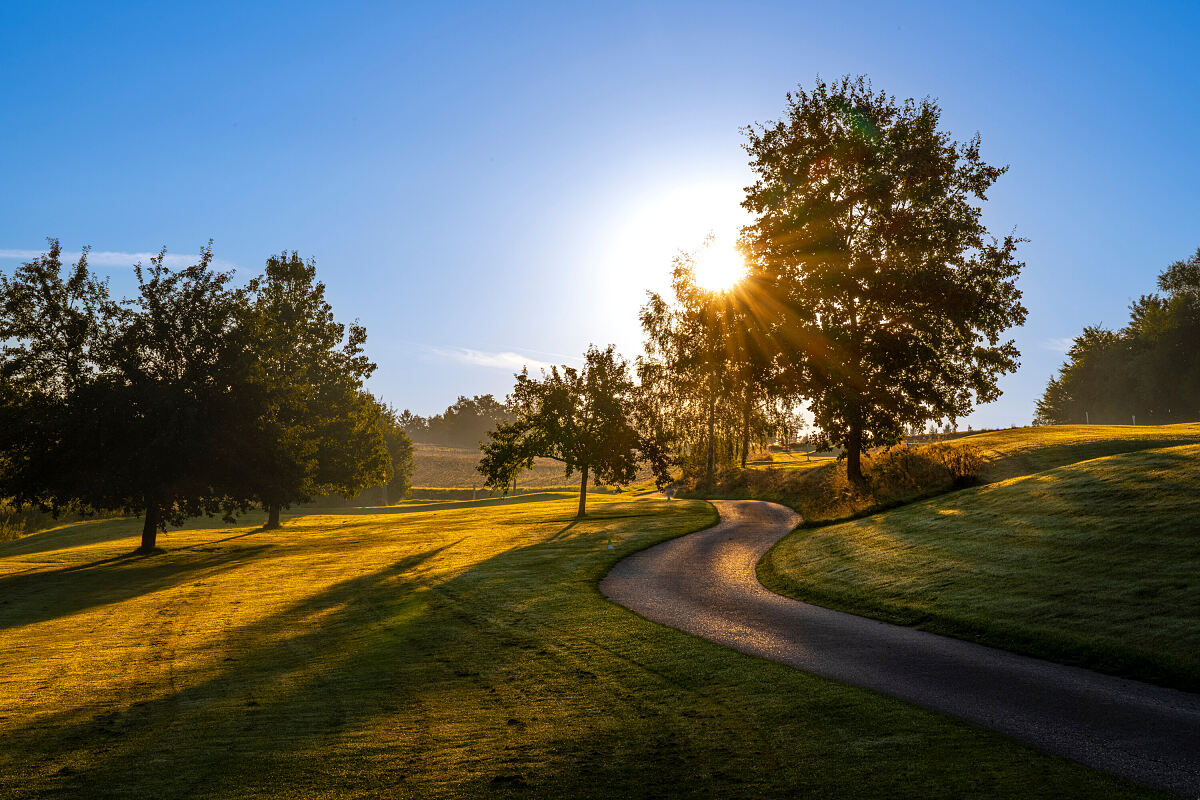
x=585, y=419
x=868, y=227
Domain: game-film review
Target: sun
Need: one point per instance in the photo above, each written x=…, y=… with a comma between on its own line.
x=718, y=267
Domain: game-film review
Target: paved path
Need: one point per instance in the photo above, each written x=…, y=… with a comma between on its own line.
x=705, y=583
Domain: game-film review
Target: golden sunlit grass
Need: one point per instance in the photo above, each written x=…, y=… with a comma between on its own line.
x=1022, y=451
x=417, y=653
x=797, y=459
x=820, y=491
x=1093, y=563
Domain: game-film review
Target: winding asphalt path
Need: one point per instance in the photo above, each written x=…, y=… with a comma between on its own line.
x=705, y=583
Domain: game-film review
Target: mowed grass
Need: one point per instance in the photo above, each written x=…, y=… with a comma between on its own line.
x=1093, y=564
x=797, y=459
x=463, y=652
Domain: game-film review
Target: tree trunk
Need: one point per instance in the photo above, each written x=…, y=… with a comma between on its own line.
x=583, y=492
x=712, y=418
x=854, y=456
x=745, y=433
x=272, y=516
x=149, y=528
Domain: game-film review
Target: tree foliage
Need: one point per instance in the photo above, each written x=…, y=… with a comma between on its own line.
x=892, y=296
x=710, y=372
x=318, y=431
x=587, y=419
x=192, y=397
x=399, y=451
x=1148, y=371
x=464, y=423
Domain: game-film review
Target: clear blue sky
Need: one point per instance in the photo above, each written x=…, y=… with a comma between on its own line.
x=489, y=184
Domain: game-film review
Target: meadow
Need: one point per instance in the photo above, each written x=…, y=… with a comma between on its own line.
x=413, y=651
x=1089, y=562
x=436, y=466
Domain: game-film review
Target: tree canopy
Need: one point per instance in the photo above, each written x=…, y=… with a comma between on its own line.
x=192, y=397
x=710, y=370
x=587, y=419
x=464, y=423
x=318, y=431
x=890, y=296
x=1148, y=371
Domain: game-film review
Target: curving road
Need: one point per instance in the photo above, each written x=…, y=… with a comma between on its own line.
x=705, y=583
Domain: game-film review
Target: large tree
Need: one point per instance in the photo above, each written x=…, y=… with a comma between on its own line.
x=868, y=226
x=56, y=323
x=137, y=406
x=586, y=419
x=318, y=431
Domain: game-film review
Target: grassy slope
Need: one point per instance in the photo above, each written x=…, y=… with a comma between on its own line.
x=462, y=652
x=1024, y=451
x=454, y=467
x=1093, y=563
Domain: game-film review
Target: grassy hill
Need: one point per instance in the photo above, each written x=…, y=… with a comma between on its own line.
x=454, y=467
x=462, y=651
x=1091, y=563
x=819, y=489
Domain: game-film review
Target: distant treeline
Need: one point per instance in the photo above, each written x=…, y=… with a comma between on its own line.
x=465, y=423
x=1148, y=371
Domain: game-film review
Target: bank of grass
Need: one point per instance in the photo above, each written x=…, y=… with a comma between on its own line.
x=820, y=491
x=454, y=467
x=1093, y=564
x=451, y=653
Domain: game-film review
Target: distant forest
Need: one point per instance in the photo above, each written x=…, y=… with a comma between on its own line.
x=465, y=423
x=1148, y=371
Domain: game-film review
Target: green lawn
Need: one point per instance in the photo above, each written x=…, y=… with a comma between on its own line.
x=1094, y=563
x=432, y=653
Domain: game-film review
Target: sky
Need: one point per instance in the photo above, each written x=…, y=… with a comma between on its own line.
x=487, y=186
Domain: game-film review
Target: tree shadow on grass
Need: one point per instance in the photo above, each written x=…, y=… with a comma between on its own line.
x=32, y=597
x=511, y=676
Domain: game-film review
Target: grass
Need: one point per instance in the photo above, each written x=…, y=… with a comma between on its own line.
x=454, y=467
x=1092, y=563
x=432, y=653
x=797, y=459
x=820, y=491
x=1024, y=451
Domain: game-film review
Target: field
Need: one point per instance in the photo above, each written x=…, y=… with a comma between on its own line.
x=462, y=651
x=454, y=467
x=1092, y=563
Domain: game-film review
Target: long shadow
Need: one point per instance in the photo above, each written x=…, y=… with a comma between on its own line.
x=503, y=679
x=31, y=597
x=445, y=505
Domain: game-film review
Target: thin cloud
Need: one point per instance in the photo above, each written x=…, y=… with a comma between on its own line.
x=113, y=258
x=1059, y=344
x=507, y=360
